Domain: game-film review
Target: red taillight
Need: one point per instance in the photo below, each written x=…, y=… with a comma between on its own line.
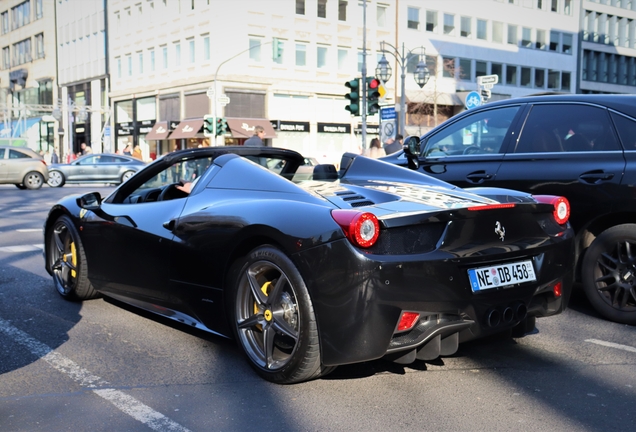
x=492, y=206
x=561, y=205
x=407, y=321
x=362, y=229
x=557, y=289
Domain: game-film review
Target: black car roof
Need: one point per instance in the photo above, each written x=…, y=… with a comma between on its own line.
x=621, y=102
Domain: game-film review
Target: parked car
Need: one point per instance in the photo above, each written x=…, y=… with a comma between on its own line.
x=372, y=261
x=582, y=147
x=95, y=168
x=22, y=167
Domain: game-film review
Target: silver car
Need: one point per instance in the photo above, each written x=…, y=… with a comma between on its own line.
x=95, y=168
x=22, y=167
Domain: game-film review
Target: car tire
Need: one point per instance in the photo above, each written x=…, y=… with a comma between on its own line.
x=20, y=186
x=67, y=261
x=272, y=317
x=609, y=274
x=33, y=180
x=125, y=176
x=56, y=179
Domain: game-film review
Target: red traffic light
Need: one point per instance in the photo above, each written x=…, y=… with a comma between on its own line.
x=374, y=83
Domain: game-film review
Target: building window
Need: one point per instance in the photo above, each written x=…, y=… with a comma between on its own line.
x=448, y=66
x=5, y=22
x=321, y=57
x=21, y=15
x=301, y=54
x=497, y=32
x=140, y=57
x=540, y=43
x=118, y=61
x=526, y=77
x=497, y=69
x=512, y=34
x=39, y=46
x=164, y=56
x=511, y=75
x=481, y=68
x=129, y=64
x=381, y=15
x=539, y=78
x=539, y=4
x=206, y=47
x=526, y=37
x=449, y=24
x=360, y=61
x=152, y=59
x=567, y=8
x=567, y=43
x=465, y=30
x=342, y=10
x=6, y=58
x=192, y=53
x=413, y=16
x=177, y=54
x=554, y=41
x=431, y=21
x=465, y=69
x=39, y=12
x=482, y=29
x=322, y=9
x=431, y=64
x=342, y=58
x=255, y=49
x=300, y=7
x=22, y=52
x=566, y=81
x=554, y=80
x=554, y=6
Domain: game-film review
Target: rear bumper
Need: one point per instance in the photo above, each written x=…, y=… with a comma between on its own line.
x=358, y=299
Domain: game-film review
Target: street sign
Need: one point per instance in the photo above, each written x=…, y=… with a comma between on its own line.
x=223, y=100
x=485, y=94
x=210, y=92
x=382, y=91
x=473, y=100
x=387, y=113
x=488, y=86
x=488, y=79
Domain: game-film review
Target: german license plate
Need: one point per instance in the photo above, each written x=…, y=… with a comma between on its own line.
x=501, y=275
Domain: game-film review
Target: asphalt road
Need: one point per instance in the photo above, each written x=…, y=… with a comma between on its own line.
x=101, y=366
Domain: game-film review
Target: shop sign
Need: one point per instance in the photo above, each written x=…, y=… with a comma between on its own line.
x=124, y=129
x=371, y=129
x=145, y=126
x=173, y=124
x=290, y=126
x=334, y=128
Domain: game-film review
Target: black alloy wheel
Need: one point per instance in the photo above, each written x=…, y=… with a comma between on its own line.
x=609, y=274
x=66, y=258
x=273, y=318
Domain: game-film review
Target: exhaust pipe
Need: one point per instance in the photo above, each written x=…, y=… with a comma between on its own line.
x=493, y=318
x=508, y=315
x=520, y=311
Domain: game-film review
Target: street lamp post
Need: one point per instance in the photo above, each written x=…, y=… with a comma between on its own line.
x=421, y=75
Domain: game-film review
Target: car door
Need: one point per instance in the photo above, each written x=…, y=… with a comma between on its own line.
x=468, y=152
x=626, y=128
x=107, y=168
x=4, y=168
x=80, y=170
x=18, y=164
x=567, y=149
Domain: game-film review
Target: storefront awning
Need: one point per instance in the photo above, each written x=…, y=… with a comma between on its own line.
x=244, y=127
x=159, y=131
x=187, y=129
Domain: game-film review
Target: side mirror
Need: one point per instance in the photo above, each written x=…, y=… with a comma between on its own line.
x=90, y=201
x=412, y=146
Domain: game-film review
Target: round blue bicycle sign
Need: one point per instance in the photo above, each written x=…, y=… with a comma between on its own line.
x=473, y=100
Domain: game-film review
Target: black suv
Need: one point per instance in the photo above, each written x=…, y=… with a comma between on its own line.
x=582, y=147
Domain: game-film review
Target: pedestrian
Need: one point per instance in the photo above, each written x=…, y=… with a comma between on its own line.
x=393, y=145
x=86, y=149
x=137, y=153
x=257, y=139
x=127, y=150
x=54, y=157
x=375, y=150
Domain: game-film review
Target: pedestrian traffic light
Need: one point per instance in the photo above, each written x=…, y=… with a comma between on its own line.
x=373, y=94
x=221, y=126
x=277, y=49
x=208, y=125
x=353, y=96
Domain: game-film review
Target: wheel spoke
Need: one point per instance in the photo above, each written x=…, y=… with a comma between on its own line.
x=59, y=243
x=268, y=345
x=251, y=321
x=283, y=326
x=278, y=288
x=259, y=295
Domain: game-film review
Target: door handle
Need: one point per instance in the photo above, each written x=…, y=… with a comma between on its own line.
x=170, y=224
x=478, y=176
x=595, y=177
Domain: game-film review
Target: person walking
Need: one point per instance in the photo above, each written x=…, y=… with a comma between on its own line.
x=137, y=153
x=257, y=139
x=393, y=145
x=54, y=157
x=86, y=149
x=375, y=149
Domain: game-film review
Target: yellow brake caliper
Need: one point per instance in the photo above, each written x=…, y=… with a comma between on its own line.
x=265, y=290
x=73, y=259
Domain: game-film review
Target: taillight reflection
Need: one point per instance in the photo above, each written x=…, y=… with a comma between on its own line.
x=561, y=205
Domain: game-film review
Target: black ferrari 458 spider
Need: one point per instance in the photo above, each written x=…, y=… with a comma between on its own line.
x=366, y=262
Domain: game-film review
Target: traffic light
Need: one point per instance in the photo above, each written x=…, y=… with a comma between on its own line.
x=277, y=48
x=353, y=96
x=373, y=94
x=208, y=125
x=221, y=126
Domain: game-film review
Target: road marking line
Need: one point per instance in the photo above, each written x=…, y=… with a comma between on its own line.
x=128, y=404
x=29, y=230
x=612, y=345
x=22, y=248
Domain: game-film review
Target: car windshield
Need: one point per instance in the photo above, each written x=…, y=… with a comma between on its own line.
x=179, y=172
